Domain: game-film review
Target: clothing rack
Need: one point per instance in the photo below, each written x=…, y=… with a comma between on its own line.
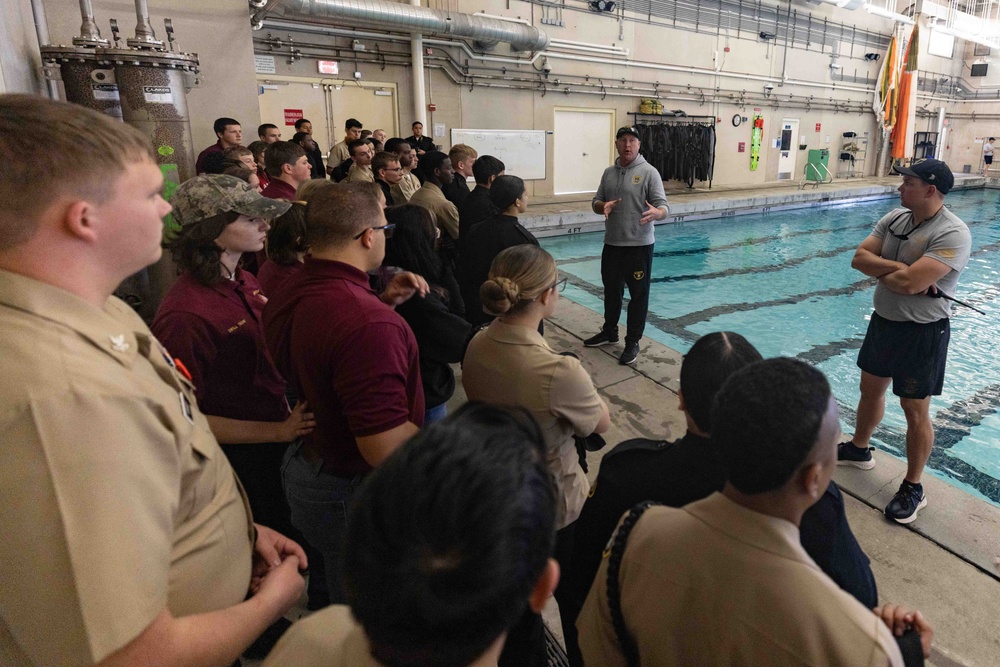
x=680, y=147
x=670, y=118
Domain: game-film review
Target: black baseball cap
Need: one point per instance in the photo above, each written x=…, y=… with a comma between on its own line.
x=932, y=172
x=622, y=131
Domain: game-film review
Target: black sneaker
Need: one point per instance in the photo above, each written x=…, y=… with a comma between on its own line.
x=904, y=506
x=630, y=354
x=603, y=338
x=849, y=455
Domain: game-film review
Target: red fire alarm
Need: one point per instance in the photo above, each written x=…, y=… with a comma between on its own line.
x=742, y=148
x=432, y=107
x=817, y=127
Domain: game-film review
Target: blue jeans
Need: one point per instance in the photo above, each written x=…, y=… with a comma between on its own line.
x=319, y=503
x=435, y=414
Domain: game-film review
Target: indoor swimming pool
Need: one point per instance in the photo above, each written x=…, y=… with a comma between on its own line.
x=784, y=280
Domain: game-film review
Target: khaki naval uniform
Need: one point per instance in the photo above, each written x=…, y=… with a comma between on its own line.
x=445, y=213
x=513, y=365
x=402, y=191
x=115, y=499
x=338, y=153
x=359, y=173
x=714, y=583
x=329, y=637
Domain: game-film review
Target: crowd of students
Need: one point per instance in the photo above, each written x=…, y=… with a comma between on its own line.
x=311, y=333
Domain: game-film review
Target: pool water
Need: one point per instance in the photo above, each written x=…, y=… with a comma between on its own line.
x=784, y=280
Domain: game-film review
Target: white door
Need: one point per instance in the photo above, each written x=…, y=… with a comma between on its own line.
x=584, y=148
x=374, y=107
x=277, y=97
x=789, y=148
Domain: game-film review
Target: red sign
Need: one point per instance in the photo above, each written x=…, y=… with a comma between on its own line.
x=328, y=67
x=432, y=107
x=292, y=115
x=817, y=127
x=742, y=147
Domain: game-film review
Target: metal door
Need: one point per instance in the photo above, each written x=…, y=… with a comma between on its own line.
x=584, y=148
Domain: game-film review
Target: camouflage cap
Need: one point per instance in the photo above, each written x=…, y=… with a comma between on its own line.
x=209, y=195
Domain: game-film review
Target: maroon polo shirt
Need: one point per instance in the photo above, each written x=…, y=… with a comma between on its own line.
x=272, y=274
x=264, y=179
x=353, y=358
x=216, y=332
x=278, y=189
x=199, y=166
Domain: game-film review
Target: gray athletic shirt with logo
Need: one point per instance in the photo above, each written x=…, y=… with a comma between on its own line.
x=945, y=238
x=635, y=185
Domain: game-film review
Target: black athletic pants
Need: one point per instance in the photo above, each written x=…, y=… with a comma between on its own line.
x=623, y=266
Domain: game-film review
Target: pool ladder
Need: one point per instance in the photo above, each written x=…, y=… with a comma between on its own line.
x=815, y=173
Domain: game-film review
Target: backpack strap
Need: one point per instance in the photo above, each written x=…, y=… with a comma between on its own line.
x=615, y=555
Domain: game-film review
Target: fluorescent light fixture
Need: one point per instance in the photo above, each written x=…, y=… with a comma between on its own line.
x=383, y=93
x=886, y=14
x=985, y=41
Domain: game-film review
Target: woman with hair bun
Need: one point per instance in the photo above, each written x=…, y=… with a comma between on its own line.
x=509, y=363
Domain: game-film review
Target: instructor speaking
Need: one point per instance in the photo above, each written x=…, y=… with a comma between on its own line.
x=631, y=198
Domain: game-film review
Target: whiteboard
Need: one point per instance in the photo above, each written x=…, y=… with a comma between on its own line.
x=521, y=151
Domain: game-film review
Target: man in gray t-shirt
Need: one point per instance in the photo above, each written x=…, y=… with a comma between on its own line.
x=917, y=252
x=631, y=198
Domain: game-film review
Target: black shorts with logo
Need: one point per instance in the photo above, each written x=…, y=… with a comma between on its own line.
x=912, y=354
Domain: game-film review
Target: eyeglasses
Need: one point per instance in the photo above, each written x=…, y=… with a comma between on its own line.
x=559, y=285
x=901, y=237
x=395, y=169
x=386, y=228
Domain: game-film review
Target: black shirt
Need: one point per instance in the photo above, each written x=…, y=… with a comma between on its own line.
x=424, y=143
x=442, y=335
x=387, y=191
x=315, y=157
x=457, y=191
x=487, y=240
x=474, y=209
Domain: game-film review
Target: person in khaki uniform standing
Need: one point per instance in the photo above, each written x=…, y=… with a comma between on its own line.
x=127, y=539
x=438, y=173
x=509, y=363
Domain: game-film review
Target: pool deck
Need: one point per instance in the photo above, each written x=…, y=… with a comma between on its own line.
x=943, y=564
x=571, y=214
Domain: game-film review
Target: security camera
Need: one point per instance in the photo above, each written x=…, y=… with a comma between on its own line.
x=767, y=89
x=546, y=67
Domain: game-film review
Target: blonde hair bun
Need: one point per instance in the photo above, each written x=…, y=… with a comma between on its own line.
x=499, y=294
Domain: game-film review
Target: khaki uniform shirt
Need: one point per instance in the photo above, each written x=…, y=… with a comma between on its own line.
x=513, y=365
x=714, y=583
x=338, y=153
x=115, y=499
x=359, y=173
x=402, y=191
x=445, y=213
x=329, y=637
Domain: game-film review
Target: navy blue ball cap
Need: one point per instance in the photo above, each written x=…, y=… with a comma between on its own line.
x=932, y=172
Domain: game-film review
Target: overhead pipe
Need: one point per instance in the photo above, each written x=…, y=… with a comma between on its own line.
x=416, y=19
x=635, y=89
x=323, y=30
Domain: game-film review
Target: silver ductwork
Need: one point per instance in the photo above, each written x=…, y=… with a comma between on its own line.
x=396, y=16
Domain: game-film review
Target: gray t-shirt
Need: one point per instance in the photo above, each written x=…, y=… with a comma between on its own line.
x=945, y=238
x=635, y=185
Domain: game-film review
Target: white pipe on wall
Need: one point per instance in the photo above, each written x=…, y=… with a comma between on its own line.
x=42, y=32
x=419, y=89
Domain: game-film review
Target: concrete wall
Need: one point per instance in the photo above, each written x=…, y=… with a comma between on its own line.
x=219, y=32
x=19, y=61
